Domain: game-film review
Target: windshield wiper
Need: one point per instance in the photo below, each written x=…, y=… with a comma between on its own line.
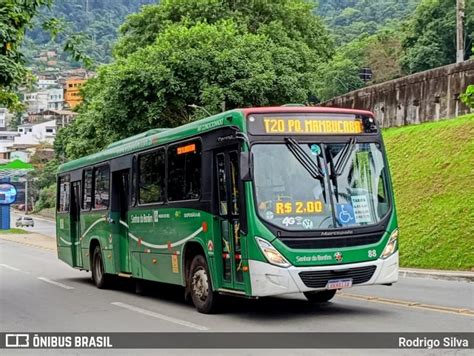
x=302, y=157
x=346, y=153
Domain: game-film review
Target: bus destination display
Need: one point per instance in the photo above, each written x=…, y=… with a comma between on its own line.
x=313, y=125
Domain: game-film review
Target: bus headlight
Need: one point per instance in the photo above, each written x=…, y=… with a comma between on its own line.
x=271, y=253
x=391, y=245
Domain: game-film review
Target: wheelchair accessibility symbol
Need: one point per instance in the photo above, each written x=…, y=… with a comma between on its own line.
x=345, y=214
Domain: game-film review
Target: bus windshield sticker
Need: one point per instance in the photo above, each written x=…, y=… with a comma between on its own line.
x=361, y=209
x=345, y=214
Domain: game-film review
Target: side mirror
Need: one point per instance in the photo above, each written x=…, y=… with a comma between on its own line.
x=245, y=166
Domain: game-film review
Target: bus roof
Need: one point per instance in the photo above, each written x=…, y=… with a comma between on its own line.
x=155, y=137
x=304, y=109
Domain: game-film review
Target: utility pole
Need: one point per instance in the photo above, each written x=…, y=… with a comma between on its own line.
x=26, y=196
x=459, y=31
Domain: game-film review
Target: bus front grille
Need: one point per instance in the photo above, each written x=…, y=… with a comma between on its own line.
x=319, y=279
x=331, y=242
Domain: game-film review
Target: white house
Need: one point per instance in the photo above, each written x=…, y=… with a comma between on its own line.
x=7, y=139
x=34, y=134
x=55, y=99
x=37, y=101
x=3, y=118
x=46, y=83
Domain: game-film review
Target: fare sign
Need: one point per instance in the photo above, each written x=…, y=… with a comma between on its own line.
x=310, y=125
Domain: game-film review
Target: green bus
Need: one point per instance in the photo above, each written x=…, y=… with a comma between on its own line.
x=250, y=202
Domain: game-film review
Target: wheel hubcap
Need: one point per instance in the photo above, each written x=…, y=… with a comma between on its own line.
x=200, y=284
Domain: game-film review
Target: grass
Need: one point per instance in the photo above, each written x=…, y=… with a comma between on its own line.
x=13, y=231
x=432, y=168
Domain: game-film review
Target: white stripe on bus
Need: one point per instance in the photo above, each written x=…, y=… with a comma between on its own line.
x=67, y=242
x=144, y=243
x=174, y=244
x=93, y=224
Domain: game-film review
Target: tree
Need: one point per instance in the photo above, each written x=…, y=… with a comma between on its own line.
x=173, y=61
x=468, y=96
x=15, y=16
x=294, y=17
x=339, y=76
x=430, y=37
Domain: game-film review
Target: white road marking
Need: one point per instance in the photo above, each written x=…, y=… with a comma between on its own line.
x=55, y=283
x=159, y=316
x=10, y=267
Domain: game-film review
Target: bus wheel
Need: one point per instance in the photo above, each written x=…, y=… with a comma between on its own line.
x=320, y=296
x=99, y=276
x=204, y=298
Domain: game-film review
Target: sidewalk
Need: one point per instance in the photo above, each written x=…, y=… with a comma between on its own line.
x=31, y=239
x=464, y=276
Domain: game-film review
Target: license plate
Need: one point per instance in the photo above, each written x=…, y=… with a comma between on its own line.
x=339, y=283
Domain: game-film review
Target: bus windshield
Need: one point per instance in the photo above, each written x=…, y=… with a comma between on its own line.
x=351, y=192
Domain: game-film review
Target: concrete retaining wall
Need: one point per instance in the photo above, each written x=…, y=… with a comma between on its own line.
x=421, y=97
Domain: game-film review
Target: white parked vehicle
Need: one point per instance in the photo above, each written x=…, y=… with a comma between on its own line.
x=24, y=221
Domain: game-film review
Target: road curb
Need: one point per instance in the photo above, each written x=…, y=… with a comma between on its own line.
x=437, y=274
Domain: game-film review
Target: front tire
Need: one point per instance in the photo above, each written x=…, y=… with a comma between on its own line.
x=100, y=278
x=204, y=298
x=320, y=296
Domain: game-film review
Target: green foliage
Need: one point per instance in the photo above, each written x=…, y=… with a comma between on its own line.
x=430, y=37
x=468, y=96
x=339, y=76
x=254, y=59
x=81, y=27
x=15, y=17
x=431, y=166
x=46, y=199
x=349, y=19
x=292, y=18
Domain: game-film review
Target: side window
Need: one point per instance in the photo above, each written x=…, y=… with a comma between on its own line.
x=101, y=187
x=184, y=171
x=151, y=167
x=64, y=191
x=87, y=190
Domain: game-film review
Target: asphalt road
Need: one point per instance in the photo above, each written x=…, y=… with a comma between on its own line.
x=41, y=225
x=40, y=293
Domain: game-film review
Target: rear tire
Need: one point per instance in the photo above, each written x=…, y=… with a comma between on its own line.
x=200, y=285
x=320, y=296
x=100, y=278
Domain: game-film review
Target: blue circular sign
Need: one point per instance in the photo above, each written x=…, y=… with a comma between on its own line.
x=315, y=150
x=7, y=194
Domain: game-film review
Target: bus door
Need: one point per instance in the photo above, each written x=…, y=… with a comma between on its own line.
x=119, y=219
x=76, y=224
x=229, y=204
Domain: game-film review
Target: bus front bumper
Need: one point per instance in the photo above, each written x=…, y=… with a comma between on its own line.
x=267, y=279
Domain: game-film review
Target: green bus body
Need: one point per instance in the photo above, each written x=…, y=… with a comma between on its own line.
x=157, y=241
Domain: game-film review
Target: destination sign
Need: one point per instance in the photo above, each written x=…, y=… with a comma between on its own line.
x=306, y=125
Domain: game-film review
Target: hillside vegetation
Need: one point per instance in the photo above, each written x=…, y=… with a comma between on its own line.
x=433, y=172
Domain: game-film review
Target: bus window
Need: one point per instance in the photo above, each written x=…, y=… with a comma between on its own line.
x=64, y=190
x=184, y=175
x=87, y=190
x=102, y=184
x=151, y=177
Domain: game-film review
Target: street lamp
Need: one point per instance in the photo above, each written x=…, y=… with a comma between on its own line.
x=194, y=106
